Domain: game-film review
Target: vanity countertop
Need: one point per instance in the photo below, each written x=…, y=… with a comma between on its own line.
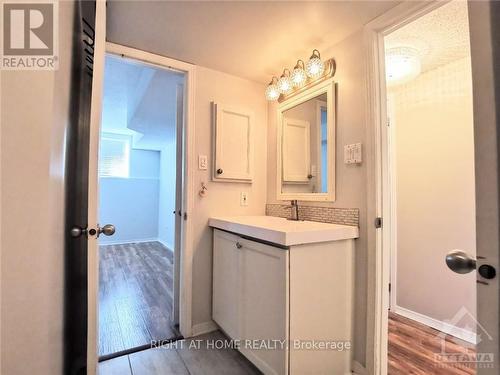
x=282, y=231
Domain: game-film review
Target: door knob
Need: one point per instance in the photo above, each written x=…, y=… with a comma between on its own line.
x=107, y=230
x=460, y=262
x=76, y=231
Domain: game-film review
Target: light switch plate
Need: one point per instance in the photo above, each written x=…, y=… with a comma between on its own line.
x=202, y=162
x=244, y=198
x=353, y=154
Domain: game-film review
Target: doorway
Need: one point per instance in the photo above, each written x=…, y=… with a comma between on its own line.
x=430, y=188
x=140, y=193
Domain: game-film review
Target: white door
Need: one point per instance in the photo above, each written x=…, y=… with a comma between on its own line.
x=178, y=202
x=484, y=18
x=296, y=150
x=93, y=189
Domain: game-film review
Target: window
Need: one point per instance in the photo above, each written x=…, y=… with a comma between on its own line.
x=114, y=155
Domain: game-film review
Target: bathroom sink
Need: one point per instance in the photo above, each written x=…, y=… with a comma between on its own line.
x=282, y=231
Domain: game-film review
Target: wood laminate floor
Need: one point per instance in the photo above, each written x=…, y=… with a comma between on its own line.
x=412, y=349
x=186, y=357
x=135, y=295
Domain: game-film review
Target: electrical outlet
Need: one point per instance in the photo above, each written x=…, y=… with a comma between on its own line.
x=202, y=162
x=244, y=198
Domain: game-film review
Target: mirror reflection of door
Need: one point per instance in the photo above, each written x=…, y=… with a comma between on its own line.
x=305, y=147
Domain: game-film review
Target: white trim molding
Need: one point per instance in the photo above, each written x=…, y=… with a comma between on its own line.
x=441, y=326
x=126, y=242
x=205, y=327
x=358, y=368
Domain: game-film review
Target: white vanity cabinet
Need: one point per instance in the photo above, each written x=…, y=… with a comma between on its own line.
x=293, y=298
x=250, y=296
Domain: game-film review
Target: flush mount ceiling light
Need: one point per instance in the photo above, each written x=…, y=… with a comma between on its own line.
x=302, y=77
x=402, y=64
x=272, y=92
x=284, y=83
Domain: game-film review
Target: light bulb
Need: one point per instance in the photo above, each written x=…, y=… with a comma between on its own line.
x=298, y=76
x=315, y=67
x=284, y=84
x=272, y=92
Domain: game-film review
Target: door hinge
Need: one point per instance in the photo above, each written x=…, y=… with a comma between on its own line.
x=378, y=222
x=389, y=287
x=185, y=216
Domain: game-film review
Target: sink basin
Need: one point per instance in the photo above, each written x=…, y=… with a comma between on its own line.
x=282, y=231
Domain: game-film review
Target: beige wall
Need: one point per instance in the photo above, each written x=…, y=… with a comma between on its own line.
x=223, y=198
x=435, y=194
x=33, y=117
x=350, y=182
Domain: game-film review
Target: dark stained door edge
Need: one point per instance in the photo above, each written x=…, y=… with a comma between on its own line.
x=76, y=189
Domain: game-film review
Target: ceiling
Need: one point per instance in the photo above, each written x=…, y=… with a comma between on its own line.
x=140, y=101
x=253, y=40
x=440, y=37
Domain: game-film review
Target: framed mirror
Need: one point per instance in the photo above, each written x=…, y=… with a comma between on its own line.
x=306, y=145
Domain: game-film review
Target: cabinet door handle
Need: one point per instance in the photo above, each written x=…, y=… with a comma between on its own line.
x=238, y=245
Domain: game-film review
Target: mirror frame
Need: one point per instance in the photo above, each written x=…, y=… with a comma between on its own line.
x=328, y=87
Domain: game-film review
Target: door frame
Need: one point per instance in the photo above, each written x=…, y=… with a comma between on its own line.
x=187, y=242
x=379, y=178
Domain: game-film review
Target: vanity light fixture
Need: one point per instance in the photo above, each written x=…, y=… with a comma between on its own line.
x=284, y=83
x=272, y=92
x=298, y=76
x=315, y=67
x=304, y=75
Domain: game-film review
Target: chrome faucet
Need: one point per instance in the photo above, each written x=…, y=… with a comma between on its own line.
x=294, y=208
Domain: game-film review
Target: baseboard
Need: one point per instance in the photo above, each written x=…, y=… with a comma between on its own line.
x=125, y=242
x=358, y=368
x=169, y=247
x=205, y=327
x=447, y=328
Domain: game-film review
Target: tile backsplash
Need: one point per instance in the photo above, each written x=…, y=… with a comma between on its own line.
x=346, y=216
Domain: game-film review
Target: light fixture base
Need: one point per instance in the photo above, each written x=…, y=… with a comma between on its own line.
x=330, y=68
